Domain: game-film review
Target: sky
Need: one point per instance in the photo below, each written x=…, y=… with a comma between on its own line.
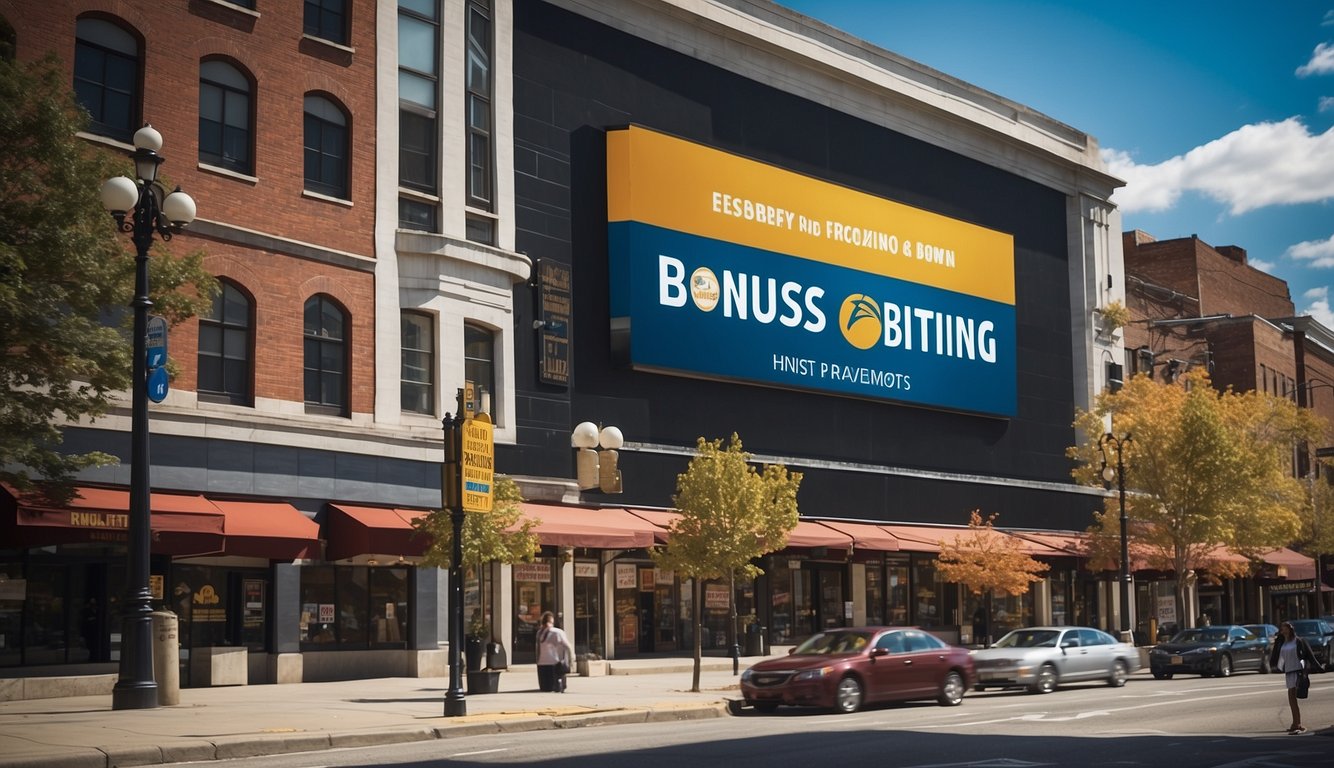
x=1218, y=115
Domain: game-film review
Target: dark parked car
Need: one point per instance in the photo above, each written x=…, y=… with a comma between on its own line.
x=1209, y=651
x=1317, y=633
x=1265, y=632
x=845, y=668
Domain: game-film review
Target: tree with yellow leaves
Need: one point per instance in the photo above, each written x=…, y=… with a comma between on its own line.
x=730, y=515
x=987, y=561
x=1206, y=472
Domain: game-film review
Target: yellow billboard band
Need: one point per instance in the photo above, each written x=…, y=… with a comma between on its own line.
x=676, y=184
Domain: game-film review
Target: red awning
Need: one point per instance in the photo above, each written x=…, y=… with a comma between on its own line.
x=660, y=518
x=179, y=524
x=810, y=535
x=272, y=529
x=922, y=538
x=354, y=530
x=1297, y=565
x=592, y=527
x=1067, y=543
x=866, y=536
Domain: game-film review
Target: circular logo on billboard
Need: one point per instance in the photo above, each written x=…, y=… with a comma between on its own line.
x=704, y=289
x=859, y=319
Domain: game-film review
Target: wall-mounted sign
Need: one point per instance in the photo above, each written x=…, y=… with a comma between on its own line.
x=539, y=572
x=790, y=281
x=625, y=575
x=553, y=314
x=585, y=570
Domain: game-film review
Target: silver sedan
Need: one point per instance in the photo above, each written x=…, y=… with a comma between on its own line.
x=1041, y=658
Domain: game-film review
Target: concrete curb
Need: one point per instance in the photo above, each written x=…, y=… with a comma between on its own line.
x=231, y=747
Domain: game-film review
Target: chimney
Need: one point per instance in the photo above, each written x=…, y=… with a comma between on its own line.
x=1233, y=252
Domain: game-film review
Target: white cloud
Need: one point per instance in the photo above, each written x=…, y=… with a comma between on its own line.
x=1326, y=103
x=1321, y=312
x=1328, y=21
x=1253, y=167
x=1319, y=292
x=1321, y=63
x=1319, y=252
x=1261, y=264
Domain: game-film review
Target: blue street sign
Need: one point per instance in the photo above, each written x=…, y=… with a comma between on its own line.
x=157, y=384
x=155, y=342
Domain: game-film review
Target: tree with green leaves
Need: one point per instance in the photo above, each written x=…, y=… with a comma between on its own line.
x=731, y=514
x=502, y=535
x=987, y=561
x=64, y=271
x=1206, y=472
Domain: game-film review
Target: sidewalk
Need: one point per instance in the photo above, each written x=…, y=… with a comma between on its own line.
x=246, y=721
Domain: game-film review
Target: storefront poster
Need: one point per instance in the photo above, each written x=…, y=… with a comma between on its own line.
x=647, y=579
x=585, y=570
x=625, y=575
x=534, y=572
x=665, y=576
x=715, y=597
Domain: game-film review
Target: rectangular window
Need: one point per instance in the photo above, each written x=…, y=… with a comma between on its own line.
x=479, y=367
x=418, y=130
x=326, y=19
x=416, y=214
x=418, y=343
x=478, y=84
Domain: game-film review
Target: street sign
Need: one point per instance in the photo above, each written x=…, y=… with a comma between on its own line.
x=155, y=342
x=478, y=463
x=157, y=385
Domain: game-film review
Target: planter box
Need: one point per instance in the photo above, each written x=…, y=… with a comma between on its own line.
x=483, y=681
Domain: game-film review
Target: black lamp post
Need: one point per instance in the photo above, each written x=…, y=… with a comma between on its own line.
x=456, y=702
x=154, y=210
x=1120, y=476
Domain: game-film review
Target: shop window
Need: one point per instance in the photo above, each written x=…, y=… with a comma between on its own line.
x=898, y=595
x=350, y=594
x=106, y=77
x=479, y=367
x=354, y=607
x=389, y=607
x=587, y=608
x=534, y=592
x=199, y=598
x=927, y=605
x=875, y=595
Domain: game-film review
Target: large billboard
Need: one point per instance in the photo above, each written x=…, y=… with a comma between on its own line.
x=725, y=267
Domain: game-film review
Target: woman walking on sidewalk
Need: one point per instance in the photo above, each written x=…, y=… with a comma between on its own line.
x=1292, y=656
x=554, y=655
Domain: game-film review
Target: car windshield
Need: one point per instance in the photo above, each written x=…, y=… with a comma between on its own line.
x=834, y=642
x=1029, y=638
x=1310, y=628
x=1204, y=635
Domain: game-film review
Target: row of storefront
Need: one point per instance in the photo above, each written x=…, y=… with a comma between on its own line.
x=344, y=598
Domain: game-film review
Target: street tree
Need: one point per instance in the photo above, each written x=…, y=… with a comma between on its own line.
x=66, y=279
x=987, y=561
x=731, y=514
x=1208, y=474
x=502, y=535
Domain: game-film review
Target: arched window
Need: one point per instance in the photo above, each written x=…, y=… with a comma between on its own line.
x=326, y=148
x=418, y=378
x=325, y=356
x=224, y=347
x=479, y=366
x=106, y=77
x=225, y=117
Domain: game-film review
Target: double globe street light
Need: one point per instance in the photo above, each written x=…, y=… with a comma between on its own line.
x=153, y=210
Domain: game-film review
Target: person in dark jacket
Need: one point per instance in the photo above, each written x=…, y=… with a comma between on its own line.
x=1292, y=656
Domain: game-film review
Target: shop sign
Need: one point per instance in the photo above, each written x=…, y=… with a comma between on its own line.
x=802, y=283
x=715, y=596
x=478, y=464
x=585, y=570
x=539, y=572
x=1290, y=587
x=647, y=579
x=625, y=575
x=665, y=575
x=326, y=613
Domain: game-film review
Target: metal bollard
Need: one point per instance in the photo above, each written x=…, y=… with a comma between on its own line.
x=167, y=657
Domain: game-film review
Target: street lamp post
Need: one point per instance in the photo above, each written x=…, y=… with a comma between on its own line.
x=154, y=210
x=1120, y=473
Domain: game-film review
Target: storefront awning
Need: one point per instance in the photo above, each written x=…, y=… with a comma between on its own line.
x=1066, y=544
x=661, y=519
x=180, y=524
x=272, y=529
x=865, y=536
x=353, y=530
x=812, y=535
x=1295, y=565
x=922, y=538
x=592, y=527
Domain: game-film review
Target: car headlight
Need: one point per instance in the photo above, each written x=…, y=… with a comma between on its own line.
x=814, y=674
x=1200, y=650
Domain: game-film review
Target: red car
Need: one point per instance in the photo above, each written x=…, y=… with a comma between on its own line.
x=845, y=668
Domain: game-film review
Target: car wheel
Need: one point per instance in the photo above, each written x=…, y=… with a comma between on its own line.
x=1223, y=667
x=1119, y=674
x=848, y=698
x=1046, y=682
x=1162, y=675
x=765, y=706
x=951, y=690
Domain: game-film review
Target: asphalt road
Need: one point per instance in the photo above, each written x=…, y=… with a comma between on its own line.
x=1186, y=722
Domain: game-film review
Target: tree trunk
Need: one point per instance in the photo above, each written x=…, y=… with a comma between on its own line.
x=991, y=618
x=697, y=588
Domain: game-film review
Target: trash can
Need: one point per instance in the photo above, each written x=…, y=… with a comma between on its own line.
x=755, y=640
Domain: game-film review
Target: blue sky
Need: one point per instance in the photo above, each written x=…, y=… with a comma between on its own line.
x=1217, y=114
